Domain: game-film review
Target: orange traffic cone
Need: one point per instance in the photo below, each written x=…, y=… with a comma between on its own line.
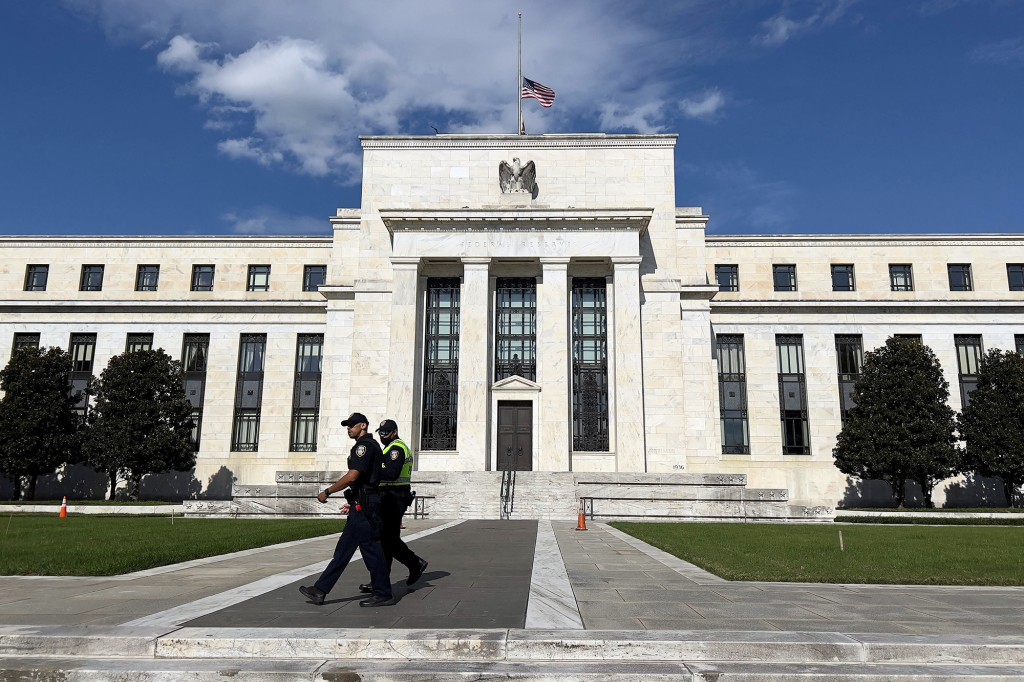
x=582, y=523
x=64, y=508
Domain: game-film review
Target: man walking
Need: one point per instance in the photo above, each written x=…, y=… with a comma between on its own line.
x=396, y=496
x=363, y=527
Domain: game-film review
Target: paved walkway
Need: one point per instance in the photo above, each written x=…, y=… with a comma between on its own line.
x=500, y=581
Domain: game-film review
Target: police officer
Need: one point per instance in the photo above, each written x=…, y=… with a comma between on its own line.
x=396, y=496
x=363, y=527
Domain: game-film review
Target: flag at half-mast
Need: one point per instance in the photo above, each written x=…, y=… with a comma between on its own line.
x=541, y=93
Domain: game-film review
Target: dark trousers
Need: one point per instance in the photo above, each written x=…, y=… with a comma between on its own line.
x=359, y=532
x=392, y=507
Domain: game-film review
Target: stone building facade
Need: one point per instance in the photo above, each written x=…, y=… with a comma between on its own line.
x=570, y=318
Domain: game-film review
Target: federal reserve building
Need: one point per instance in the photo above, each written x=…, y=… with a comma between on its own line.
x=536, y=304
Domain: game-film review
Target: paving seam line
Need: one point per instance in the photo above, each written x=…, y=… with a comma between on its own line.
x=552, y=604
x=684, y=568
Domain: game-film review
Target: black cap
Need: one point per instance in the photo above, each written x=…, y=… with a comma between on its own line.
x=387, y=426
x=355, y=418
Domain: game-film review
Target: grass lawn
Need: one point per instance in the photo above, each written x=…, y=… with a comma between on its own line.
x=901, y=555
x=111, y=545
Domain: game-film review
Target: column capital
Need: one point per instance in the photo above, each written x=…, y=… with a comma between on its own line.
x=626, y=260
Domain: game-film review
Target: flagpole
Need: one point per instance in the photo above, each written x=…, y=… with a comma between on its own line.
x=519, y=79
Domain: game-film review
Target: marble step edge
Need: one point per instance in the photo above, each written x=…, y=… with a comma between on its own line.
x=289, y=477
x=507, y=645
x=364, y=670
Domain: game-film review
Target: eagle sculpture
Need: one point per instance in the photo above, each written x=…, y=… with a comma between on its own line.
x=517, y=177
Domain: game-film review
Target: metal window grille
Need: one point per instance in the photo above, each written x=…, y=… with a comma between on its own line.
x=313, y=277
x=25, y=340
x=92, y=278
x=137, y=342
x=36, y=276
x=1015, y=276
x=784, y=277
x=441, y=365
x=82, y=349
x=793, y=395
x=147, y=277
x=194, y=352
x=732, y=394
x=728, y=277
x=901, y=277
x=968, y=356
x=259, y=278
x=1018, y=340
x=202, y=277
x=842, y=278
x=849, y=360
x=245, y=431
x=515, y=336
x=590, y=428
x=306, y=392
x=960, y=277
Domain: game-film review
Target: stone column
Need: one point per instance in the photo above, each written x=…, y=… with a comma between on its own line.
x=553, y=366
x=627, y=382
x=474, y=313
x=404, y=357
x=333, y=443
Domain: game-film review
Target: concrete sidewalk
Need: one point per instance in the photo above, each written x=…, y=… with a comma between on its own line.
x=520, y=599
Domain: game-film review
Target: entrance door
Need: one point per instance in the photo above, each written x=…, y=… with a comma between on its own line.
x=515, y=435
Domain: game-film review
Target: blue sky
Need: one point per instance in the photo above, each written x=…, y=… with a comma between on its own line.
x=169, y=117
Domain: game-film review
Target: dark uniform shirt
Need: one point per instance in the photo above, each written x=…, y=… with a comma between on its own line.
x=365, y=457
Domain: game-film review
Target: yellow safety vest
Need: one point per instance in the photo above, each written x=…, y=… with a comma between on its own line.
x=405, y=477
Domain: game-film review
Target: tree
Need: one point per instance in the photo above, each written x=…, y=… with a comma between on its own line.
x=902, y=428
x=993, y=423
x=37, y=419
x=141, y=421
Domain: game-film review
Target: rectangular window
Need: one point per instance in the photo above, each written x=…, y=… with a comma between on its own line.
x=849, y=359
x=245, y=430
x=784, y=277
x=793, y=395
x=842, y=278
x=36, y=276
x=259, y=278
x=82, y=349
x=968, y=355
x=136, y=342
x=1015, y=276
x=147, y=277
x=92, y=278
x=901, y=277
x=25, y=340
x=728, y=277
x=313, y=277
x=590, y=427
x=194, y=351
x=960, y=277
x=306, y=392
x=202, y=277
x=515, y=328
x=441, y=364
x=1018, y=340
x=910, y=337
x=732, y=394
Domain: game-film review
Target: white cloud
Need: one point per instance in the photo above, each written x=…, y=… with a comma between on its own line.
x=780, y=28
x=1004, y=52
x=266, y=220
x=742, y=201
x=706, y=106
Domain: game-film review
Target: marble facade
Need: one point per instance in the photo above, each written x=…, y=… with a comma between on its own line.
x=603, y=207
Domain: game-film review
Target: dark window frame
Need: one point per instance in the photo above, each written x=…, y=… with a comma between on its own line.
x=195, y=357
x=969, y=353
x=32, y=275
x=199, y=273
x=255, y=271
x=793, y=411
x=591, y=429
x=727, y=276
x=147, y=277
x=91, y=278
x=1015, y=276
x=960, y=277
x=844, y=270
x=901, y=277
x=82, y=349
x=306, y=392
x=308, y=279
x=136, y=341
x=25, y=340
x=515, y=328
x=849, y=364
x=442, y=322
x=732, y=393
x=787, y=272
x=245, y=424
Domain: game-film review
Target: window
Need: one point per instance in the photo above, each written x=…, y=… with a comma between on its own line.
x=194, y=351
x=849, y=359
x=146, y=277
x=793, y=395
x=82, y=349
x=25, y=340
x=259, y=278
x=960, y=277
x=590, y=428
x=202, y=278
x=441, y=365
x=732, y=395
x=968, y=355
x=910, y=337
x=728, y=277
x=313, y=277
x=515, y=335
x=1018, y=340
x=901, y=277
x=842, y=278
x=1014, y=274
x=784, y=277
x=92, y=278
x=36, y=276
x=245, y=430
x=137, y=342
x=306, y=392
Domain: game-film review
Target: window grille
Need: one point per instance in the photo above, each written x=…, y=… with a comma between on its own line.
x=842, y=278
x=515, y=336
x=732, y=394
x=245, y=432
x=194, y=352
x=728, y=277
x=306, y=392
x=441, y=365
x=968, y=355
x=313, y=277
x=849, y=360
x=36, y=276
x=82, y=350
x=901, y=277
x=793, y=395
x=147, y=277
x=202, y=277
x=590, y=428
x=784, y=277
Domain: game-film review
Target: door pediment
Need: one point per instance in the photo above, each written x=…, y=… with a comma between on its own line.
x=515, y=384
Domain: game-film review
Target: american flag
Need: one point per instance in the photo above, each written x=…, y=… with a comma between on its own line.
x=541, y=93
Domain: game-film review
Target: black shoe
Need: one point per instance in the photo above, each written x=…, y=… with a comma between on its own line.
x=312, y=594
x=416, y=573
x=366, y=588
x=377, y=600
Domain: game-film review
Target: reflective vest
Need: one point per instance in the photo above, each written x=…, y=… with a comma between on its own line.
x=401, y=449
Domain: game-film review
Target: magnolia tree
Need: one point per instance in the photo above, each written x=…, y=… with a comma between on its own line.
x=902, y=428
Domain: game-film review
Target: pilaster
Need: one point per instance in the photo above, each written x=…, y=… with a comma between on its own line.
x=474, y=311
x=628, y=389
x=404, y=359
x=553, y=366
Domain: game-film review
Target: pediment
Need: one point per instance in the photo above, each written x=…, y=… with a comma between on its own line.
x=515, y=383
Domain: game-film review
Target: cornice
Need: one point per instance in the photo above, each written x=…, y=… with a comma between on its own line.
x=591, y=141
x=164, y=242
x=169, y=307
x=861, y=307
x=516, y=220
x=867, y=240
